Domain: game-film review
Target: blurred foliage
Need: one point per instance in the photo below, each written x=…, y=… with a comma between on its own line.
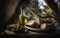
x=33, y=11
x=34, y=7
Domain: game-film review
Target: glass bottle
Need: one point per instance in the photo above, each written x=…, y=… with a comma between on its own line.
x=22, y=19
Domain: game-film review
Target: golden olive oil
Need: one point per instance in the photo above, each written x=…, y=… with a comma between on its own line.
x=22, y=20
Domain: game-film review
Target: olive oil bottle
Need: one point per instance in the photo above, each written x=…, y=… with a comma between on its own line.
x=22, y=19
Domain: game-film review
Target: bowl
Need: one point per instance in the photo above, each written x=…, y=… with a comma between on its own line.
x=39, y=29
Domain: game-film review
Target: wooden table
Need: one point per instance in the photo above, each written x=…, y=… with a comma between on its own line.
x=30, y=34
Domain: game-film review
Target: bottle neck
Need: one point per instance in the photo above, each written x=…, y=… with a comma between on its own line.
x=21, y=11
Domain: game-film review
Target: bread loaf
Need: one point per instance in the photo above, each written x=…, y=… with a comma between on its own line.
x=31, y=23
